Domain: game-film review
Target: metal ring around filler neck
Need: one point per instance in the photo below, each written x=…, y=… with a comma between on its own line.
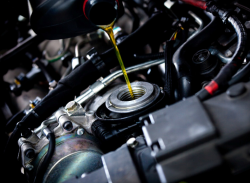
x=120, y=101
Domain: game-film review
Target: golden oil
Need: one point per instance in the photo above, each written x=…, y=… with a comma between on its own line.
x=109, y=30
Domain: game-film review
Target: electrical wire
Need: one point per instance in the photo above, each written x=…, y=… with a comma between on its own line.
x=227, y=72
x=44, y=165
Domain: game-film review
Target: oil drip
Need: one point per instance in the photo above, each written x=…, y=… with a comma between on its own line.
x=109, y=30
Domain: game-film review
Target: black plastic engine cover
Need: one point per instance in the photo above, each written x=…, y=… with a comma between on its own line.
x=59, y=19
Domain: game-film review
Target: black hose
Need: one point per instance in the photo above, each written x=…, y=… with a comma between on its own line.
x=241, y=51
x=9, y=127
x=151, y=56
x=46, y=74
x=184, y=54
x=44, y=165
x=10, y=152
x=227, y=72
x=243, y=74
x=168, y=86
x=85, y=75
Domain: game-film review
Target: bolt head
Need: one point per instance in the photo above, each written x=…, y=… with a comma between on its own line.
x=68, y=125
x=132, y=142
x=80, y=131
x=53, y=84
x=71, y=106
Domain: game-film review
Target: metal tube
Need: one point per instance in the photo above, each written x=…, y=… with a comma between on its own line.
x=219, y=55
x=198, y=21
x=100, y=84
x=77, y=48
x=45, y=123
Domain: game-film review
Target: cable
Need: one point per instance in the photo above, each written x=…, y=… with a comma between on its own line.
x=82, y=77
x=51, y=149
x=243, y=73
x=168, y=54
x=227, y=72
x=9, y=127
x=168, y=85
x=44, y=70
x=181, y=59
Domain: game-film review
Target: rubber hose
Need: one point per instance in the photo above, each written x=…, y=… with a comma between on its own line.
x=44, y=165
x=244, y=73
x=85, y=75
x=46, y=74
x=76, y=81
x=184, y=54
x=9, y=155
x=231, y=68
x=227, y=72
x=168, y=85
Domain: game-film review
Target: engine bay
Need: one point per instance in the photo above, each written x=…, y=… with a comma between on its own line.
x=125, y=91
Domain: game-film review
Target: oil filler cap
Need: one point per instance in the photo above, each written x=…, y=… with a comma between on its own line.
x=236, y=90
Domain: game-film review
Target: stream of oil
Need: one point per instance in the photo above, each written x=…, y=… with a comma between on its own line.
x=109, y=30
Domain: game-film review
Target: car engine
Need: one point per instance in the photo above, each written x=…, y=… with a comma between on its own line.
x=176, y=109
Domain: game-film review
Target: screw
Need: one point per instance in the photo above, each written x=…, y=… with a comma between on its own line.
x=71, y=106
x=80, y=131
x=132, y=142
x=68, y=126
x=30, y=153
x=29, y=167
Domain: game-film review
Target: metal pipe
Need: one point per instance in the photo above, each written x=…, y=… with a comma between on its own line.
x=219, y=55
x=198, y=21
x=77, y=48
x=45, y=123
x=102, y=83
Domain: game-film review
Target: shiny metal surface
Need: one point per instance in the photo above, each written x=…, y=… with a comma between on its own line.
x=74, y=155
x=220, y=56
x=198, y=21
x=120, y=101
x=100, y=84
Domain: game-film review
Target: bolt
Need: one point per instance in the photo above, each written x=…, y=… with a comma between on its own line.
x=80, y=131
x=30, y=153
x=29, y=167
x=228, y=53
x=132, y=142
x=52, y=85
x=68, y=126
x=71, y=106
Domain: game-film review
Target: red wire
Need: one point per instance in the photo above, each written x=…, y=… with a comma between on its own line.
x=199, y=4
